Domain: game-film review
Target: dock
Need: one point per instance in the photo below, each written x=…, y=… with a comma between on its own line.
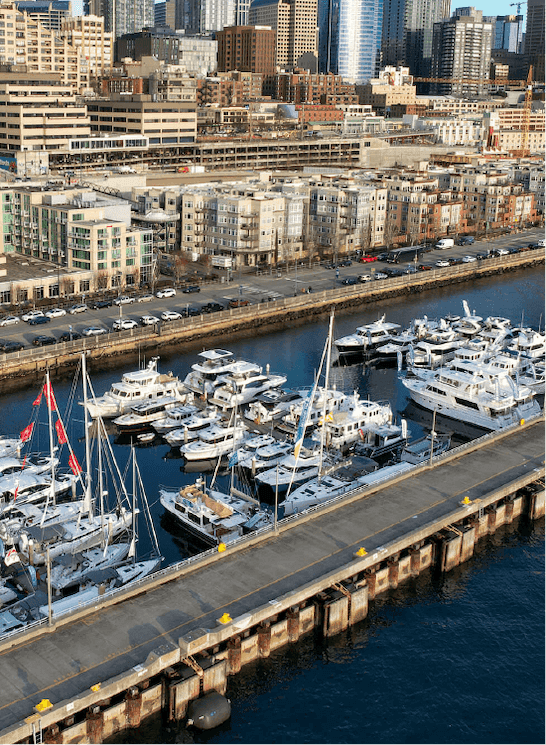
x=157, y=646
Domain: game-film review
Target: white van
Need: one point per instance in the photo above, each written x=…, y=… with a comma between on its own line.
x=445, y=243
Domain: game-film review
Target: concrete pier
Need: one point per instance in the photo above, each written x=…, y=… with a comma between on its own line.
x=202, y=621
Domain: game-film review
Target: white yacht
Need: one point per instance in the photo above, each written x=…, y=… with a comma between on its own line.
x=348, y=425
x=10, y=446
x=265, y=457
x=367, y=338
x=174, y=418
x=383, y=439
x=16, y=517
x=142, y=416
x=489, y=402
x=529, y=343
x=244, y=383
x=71, y=569
x=191, y=429
x=31, y=463
x=272, y=405
x=524, y=370
x=27, y=487
x=214, y=442
x=335, y=401
x=291, y=470
x=429, y=353
x=136, y=387
x=210, y=515
x=204, y=374
x=398, y=345
x=248, y=450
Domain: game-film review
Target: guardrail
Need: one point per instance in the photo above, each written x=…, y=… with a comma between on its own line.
x=291, y=304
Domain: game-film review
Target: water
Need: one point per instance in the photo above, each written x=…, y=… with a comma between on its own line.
x=459, y=659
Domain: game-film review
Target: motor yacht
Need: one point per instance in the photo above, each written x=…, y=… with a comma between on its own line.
x=244, y=383
x=71, y=569
x=10, y=446
x=205, y=373
x=335, y=401
x=215, y=441
x=265, y=457
x=272, y=405
x=292, y=470
x=174, y=418
x=27, y=487
x=367, y=338
x=142, y=416
x=349, y=424
x=16, y=517
x=381, y=440
x=196, y=423
x=32, y=463
x=136, y=387
x=423, y=449
x=529, y=343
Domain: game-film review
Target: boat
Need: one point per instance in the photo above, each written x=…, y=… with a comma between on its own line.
x=31, y=464
x=215, y=441
x=290, y=470
x=174, y=418
x=381, y=440
x=195, y=424
x=204, y=374
x=489, y=402
x=212, y=516
x=25, y=487
x=433, y=351
x=346, y=426
x=244, y=383
x=15, y=517
x=272, y=405
x=324, y=403
x=367, y=338
x=425, y=448
x=528, y=342
x=10, y=446
x=263, y=457
x=135, y=387
x=71, y=569
x=141, y=416
x=469, y=324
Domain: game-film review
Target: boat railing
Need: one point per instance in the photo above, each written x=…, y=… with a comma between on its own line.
x=203, y=557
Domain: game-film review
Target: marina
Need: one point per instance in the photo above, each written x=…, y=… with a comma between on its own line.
x=347, y=372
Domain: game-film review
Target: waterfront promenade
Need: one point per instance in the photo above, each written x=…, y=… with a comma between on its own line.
x=261, y=576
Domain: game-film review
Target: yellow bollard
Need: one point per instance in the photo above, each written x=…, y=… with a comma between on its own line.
x=361, y=552
x=221, y=547
x=44, y=704
x=96, y=687
x=521, y=422
x=225, y=618
x=466, y=500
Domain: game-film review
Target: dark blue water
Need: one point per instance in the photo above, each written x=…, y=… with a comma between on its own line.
x=456, y=660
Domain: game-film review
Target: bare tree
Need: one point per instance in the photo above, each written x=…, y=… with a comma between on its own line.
x=101, y=280
x=179, y=264
x=365, y=234
x=391, y=229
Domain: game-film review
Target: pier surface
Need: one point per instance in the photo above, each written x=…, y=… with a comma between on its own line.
x=305, y=556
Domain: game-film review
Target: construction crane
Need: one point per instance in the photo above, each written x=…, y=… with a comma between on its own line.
x=518, y=5
x=472, y=81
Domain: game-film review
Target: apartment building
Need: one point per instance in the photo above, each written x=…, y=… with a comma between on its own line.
x=96, y=45
x=38, y=112
x=393, y=87
x=247, y=48
x=77, y=230
x=49, y=13
x=24, y=41
x=162, y=122
x=229, y=88
x=305, y=87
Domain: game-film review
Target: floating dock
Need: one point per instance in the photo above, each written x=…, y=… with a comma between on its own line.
x=180, y=634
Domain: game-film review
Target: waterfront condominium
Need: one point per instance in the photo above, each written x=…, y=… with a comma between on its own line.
x=407, y=32
x=350, y=38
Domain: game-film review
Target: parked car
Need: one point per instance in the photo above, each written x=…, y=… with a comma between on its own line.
x=481, y=255
x=380, y=275
x=534, y=245
x=145, y=299
x=236, y=302
x=9, y=320
x=455, y=261
x=79, y=308
x=191, y=288
x=148, y=320
x=499, y=252
x=382, y=256
x=212, y=307
x=94, y=331
x=166, y=292
x=55, y=313
x=123, y=324
x=389, y=272
x=191, y=310
x=424, y=267
x=410, y=269
x=69, y=336
x=349, y=281
x=124, y=300
x=32, y=314
x=466, y=240
x=11, y=346
x=345, y=262
x=366, y=259
x=514, y=250
x=170, y=315
x=42, y=341
x=469, y=259
x=365, y=277
x=443, y=263
x=541, y=243
x=38, y=320
x=98, y=304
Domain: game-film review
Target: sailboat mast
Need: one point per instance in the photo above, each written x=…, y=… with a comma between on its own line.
x=49, y=399
x=326, y=382
x=87, y=446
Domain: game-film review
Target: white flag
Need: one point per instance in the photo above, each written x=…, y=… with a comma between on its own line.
x=11, y=557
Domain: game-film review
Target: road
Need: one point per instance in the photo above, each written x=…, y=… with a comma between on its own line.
x=252, y=287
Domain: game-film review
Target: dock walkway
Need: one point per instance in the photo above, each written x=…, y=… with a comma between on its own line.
x=305, y=556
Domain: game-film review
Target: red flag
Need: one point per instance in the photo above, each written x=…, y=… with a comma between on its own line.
x=24, y=462
x=15, y=493
x=74, y=465
x=50, y=397
x=61, y=434
x=27, y=432
x=37, y=400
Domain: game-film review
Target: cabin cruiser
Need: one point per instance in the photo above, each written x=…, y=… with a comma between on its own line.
x=265, y=457
x=272, y=405
x=135, y=387
x=10, y=446
x=248, y=450
x=292, y=470
x=397, y=346
x=25, y=487
x=16, y=517
x=425, y=448
x=71, y=569
x=524, y=370
x=489, y=402
x=432, y=352
x=193, y=426
x=212, y=516
x=381, y=440
x=143, y=415
x=31, y=463
x=346, y=426
x=205, y=373
x=468, y=325
x=244, y=383
x=529, y=343
x=174, y=418
x=367, y=338
x=215, y=441
x=335, y=401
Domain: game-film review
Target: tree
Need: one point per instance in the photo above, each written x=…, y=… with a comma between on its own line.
x=101, y=280
x=179, y=264
x=365, y=234
x=391, y=229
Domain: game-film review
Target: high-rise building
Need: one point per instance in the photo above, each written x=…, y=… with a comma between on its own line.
x=350, y=38
x=246, y=48
x=204, y=16
x=49, y=13
x=534, y=37
x=165, y=14
x=87, y=34
x=507, y=32
x=122, y=16
x=461, y=50
x=407, y=32
x=295, y=22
